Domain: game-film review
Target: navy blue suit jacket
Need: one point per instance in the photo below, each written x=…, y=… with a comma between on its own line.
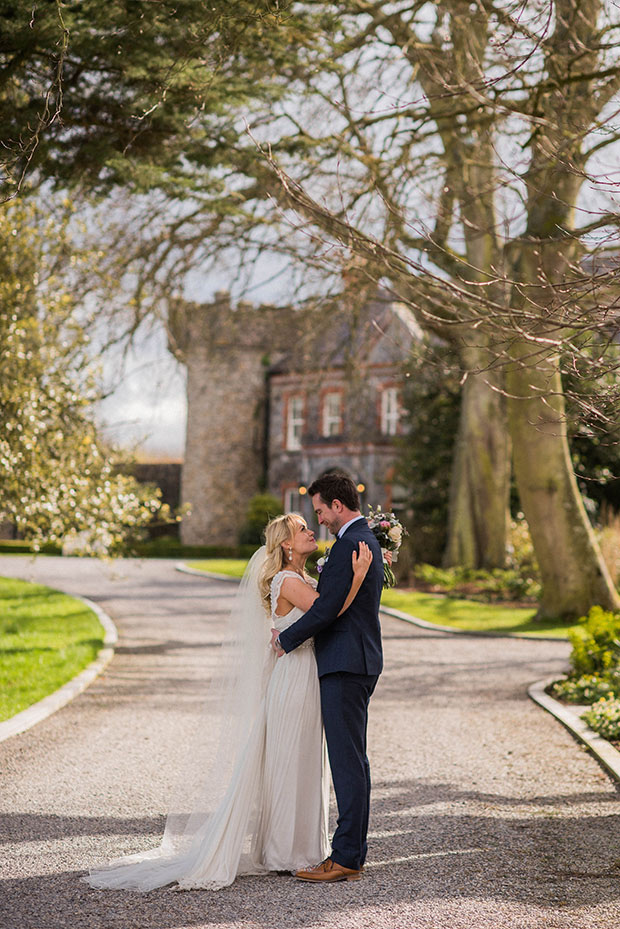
x=351, y=642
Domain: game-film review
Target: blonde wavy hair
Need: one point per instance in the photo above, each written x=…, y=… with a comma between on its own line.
x=277, y=531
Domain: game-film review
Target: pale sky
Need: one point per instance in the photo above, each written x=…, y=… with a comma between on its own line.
x=147, y=410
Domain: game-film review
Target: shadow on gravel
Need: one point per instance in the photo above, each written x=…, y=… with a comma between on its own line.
x=543, y=852
x=160, y=593
x=63, y=901
x=411, y=795
x=17, y=828
x=163, y=648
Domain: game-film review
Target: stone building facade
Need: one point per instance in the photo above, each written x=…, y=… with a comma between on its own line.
x=276, y=395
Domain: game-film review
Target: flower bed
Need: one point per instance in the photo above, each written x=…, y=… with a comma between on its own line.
x=595, y=675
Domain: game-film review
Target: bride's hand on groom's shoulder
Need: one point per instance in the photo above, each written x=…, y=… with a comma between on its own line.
x=362, y=560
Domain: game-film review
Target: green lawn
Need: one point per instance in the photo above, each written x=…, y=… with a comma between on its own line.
x=445, y=611
x=234, y=567
x=471, y=615
x=46, y=638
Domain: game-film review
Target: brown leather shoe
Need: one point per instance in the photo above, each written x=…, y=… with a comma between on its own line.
x=329, y=871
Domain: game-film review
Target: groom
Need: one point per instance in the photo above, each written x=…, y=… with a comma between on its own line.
x=349, y=661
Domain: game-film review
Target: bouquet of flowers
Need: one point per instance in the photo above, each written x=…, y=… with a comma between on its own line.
x=389, y=533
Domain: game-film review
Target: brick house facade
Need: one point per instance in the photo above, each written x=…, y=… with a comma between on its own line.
x=345, y=413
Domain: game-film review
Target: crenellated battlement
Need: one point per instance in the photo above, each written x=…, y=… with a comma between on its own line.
x=221, y=326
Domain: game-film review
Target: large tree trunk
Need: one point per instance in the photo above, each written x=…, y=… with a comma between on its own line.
x=574, y=575
x=479, y=493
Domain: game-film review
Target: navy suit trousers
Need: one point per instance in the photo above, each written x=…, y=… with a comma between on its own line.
x=344, y=704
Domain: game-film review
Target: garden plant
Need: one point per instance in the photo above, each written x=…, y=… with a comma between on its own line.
x=595, y=671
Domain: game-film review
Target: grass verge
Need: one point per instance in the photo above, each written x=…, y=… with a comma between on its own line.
x=46, y=638
x=233, y=567
x=19, y=547
x=469, y=615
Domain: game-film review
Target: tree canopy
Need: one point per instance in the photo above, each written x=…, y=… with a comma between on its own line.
x=56, y=476
x=123, y=92
x=458, y=152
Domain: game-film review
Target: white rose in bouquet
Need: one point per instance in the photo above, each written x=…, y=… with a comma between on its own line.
x=396, y=534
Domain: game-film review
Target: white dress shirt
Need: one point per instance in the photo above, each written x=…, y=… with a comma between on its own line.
x=346, y=525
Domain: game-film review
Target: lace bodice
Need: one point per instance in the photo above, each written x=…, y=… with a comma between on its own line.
x=283, y=622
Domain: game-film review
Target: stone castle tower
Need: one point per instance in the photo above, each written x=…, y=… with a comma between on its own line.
x=227, y=350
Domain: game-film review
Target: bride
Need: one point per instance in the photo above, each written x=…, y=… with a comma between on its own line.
x=262, y=802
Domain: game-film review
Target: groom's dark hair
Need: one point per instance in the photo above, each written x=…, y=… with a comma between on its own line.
x=336, y=485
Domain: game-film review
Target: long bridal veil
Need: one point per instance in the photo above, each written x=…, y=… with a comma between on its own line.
x=211, y=816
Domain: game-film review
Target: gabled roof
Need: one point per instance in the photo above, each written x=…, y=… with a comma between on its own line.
x=380, y=331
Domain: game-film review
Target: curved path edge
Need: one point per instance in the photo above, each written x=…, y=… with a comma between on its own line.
x=397, y=614
x=43, y=708
x=454, y=630
x=570, y=716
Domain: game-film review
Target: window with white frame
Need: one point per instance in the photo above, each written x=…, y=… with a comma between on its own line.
x=390, y=411
x=332, y=414
x=294, y=423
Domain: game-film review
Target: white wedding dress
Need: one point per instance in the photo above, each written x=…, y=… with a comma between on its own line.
x=273, y=815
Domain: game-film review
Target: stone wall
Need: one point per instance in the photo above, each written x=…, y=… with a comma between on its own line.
x=227, y=350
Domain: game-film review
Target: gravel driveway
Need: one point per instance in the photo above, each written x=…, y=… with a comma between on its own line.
x=486, y=813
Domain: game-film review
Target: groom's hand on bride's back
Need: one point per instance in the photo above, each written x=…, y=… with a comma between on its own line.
x=279, y=651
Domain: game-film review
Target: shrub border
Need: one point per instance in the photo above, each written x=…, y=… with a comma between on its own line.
x=43, y=708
